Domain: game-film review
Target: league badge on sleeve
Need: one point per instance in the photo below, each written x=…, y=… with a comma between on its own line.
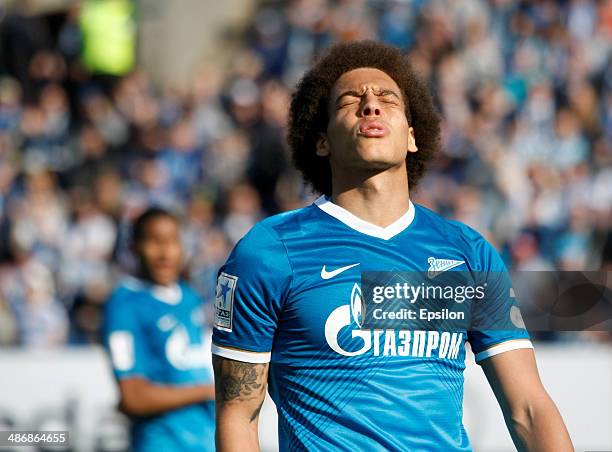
x=224, y=301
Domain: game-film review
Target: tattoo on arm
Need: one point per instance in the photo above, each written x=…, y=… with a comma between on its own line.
x=255, y=414
x=238, y=380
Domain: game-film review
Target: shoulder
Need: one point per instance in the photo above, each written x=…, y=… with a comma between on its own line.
x=471, y=243
x=127, y=291
x=287, y=224
x=451, y=229
x=120, y=309
x=262, y=254
x=270, y=234
x=188, y=291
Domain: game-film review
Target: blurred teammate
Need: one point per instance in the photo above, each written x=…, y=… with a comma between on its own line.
x=363, y=127
x=158, y=342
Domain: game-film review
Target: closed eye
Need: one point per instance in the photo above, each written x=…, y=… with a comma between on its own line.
x=389, y=97
x=348, y=103
x=347, y=98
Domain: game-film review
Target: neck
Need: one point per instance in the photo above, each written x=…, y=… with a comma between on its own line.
x=146, y=276
x=380, y=198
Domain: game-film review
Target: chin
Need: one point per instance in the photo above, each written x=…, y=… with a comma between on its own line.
x=378, y=156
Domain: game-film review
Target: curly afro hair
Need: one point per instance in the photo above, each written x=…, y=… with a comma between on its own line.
x=308, y=116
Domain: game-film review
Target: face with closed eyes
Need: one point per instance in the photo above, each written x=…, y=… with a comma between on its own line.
x=367, y=127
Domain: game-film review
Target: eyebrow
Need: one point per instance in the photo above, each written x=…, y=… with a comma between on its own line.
x=383, y=92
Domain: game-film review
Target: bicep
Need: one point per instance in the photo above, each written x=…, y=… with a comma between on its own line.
x=240, y=387
x=132, y=390
x=514, y=378
x=131, y=387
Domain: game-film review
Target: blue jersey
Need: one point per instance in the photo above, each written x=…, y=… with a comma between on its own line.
x=284, y=297
x=159, y=333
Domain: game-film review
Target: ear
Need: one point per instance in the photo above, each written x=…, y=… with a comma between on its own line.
x=322, y=146
x=412, y=147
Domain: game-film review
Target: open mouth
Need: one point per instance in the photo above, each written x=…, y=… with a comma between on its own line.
x=373, y=129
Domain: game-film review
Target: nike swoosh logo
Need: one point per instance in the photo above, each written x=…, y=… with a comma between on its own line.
x=327, y=275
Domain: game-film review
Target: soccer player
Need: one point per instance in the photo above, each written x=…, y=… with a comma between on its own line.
x=160, y=346
x=362, y=130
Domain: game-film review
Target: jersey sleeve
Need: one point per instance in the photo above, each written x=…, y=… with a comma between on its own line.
x=251, y=289
x=497, y=324
x=123, y=337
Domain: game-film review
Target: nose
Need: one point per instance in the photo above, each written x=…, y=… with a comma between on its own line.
x=370, y=106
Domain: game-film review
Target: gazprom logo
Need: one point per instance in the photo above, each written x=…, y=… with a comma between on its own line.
x=385, y=342
x=343, y=316
x=356, y=305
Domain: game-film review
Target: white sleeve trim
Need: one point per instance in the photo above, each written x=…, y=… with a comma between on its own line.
x=241, y=355
x=506, y=346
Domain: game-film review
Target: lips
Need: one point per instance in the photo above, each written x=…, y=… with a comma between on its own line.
x=373, y=129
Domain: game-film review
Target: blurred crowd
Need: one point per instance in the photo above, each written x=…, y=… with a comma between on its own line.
x=525, y=89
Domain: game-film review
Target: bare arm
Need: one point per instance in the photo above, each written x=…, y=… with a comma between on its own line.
x=141, y=397
x=240, y=393
x=532, y=418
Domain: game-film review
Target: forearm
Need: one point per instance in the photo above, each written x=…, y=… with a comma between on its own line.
x=539, y=427
x=240, y=392
x=143, y=398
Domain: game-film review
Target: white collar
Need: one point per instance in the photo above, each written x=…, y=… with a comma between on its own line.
x=363, y=226
x=168, y=294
